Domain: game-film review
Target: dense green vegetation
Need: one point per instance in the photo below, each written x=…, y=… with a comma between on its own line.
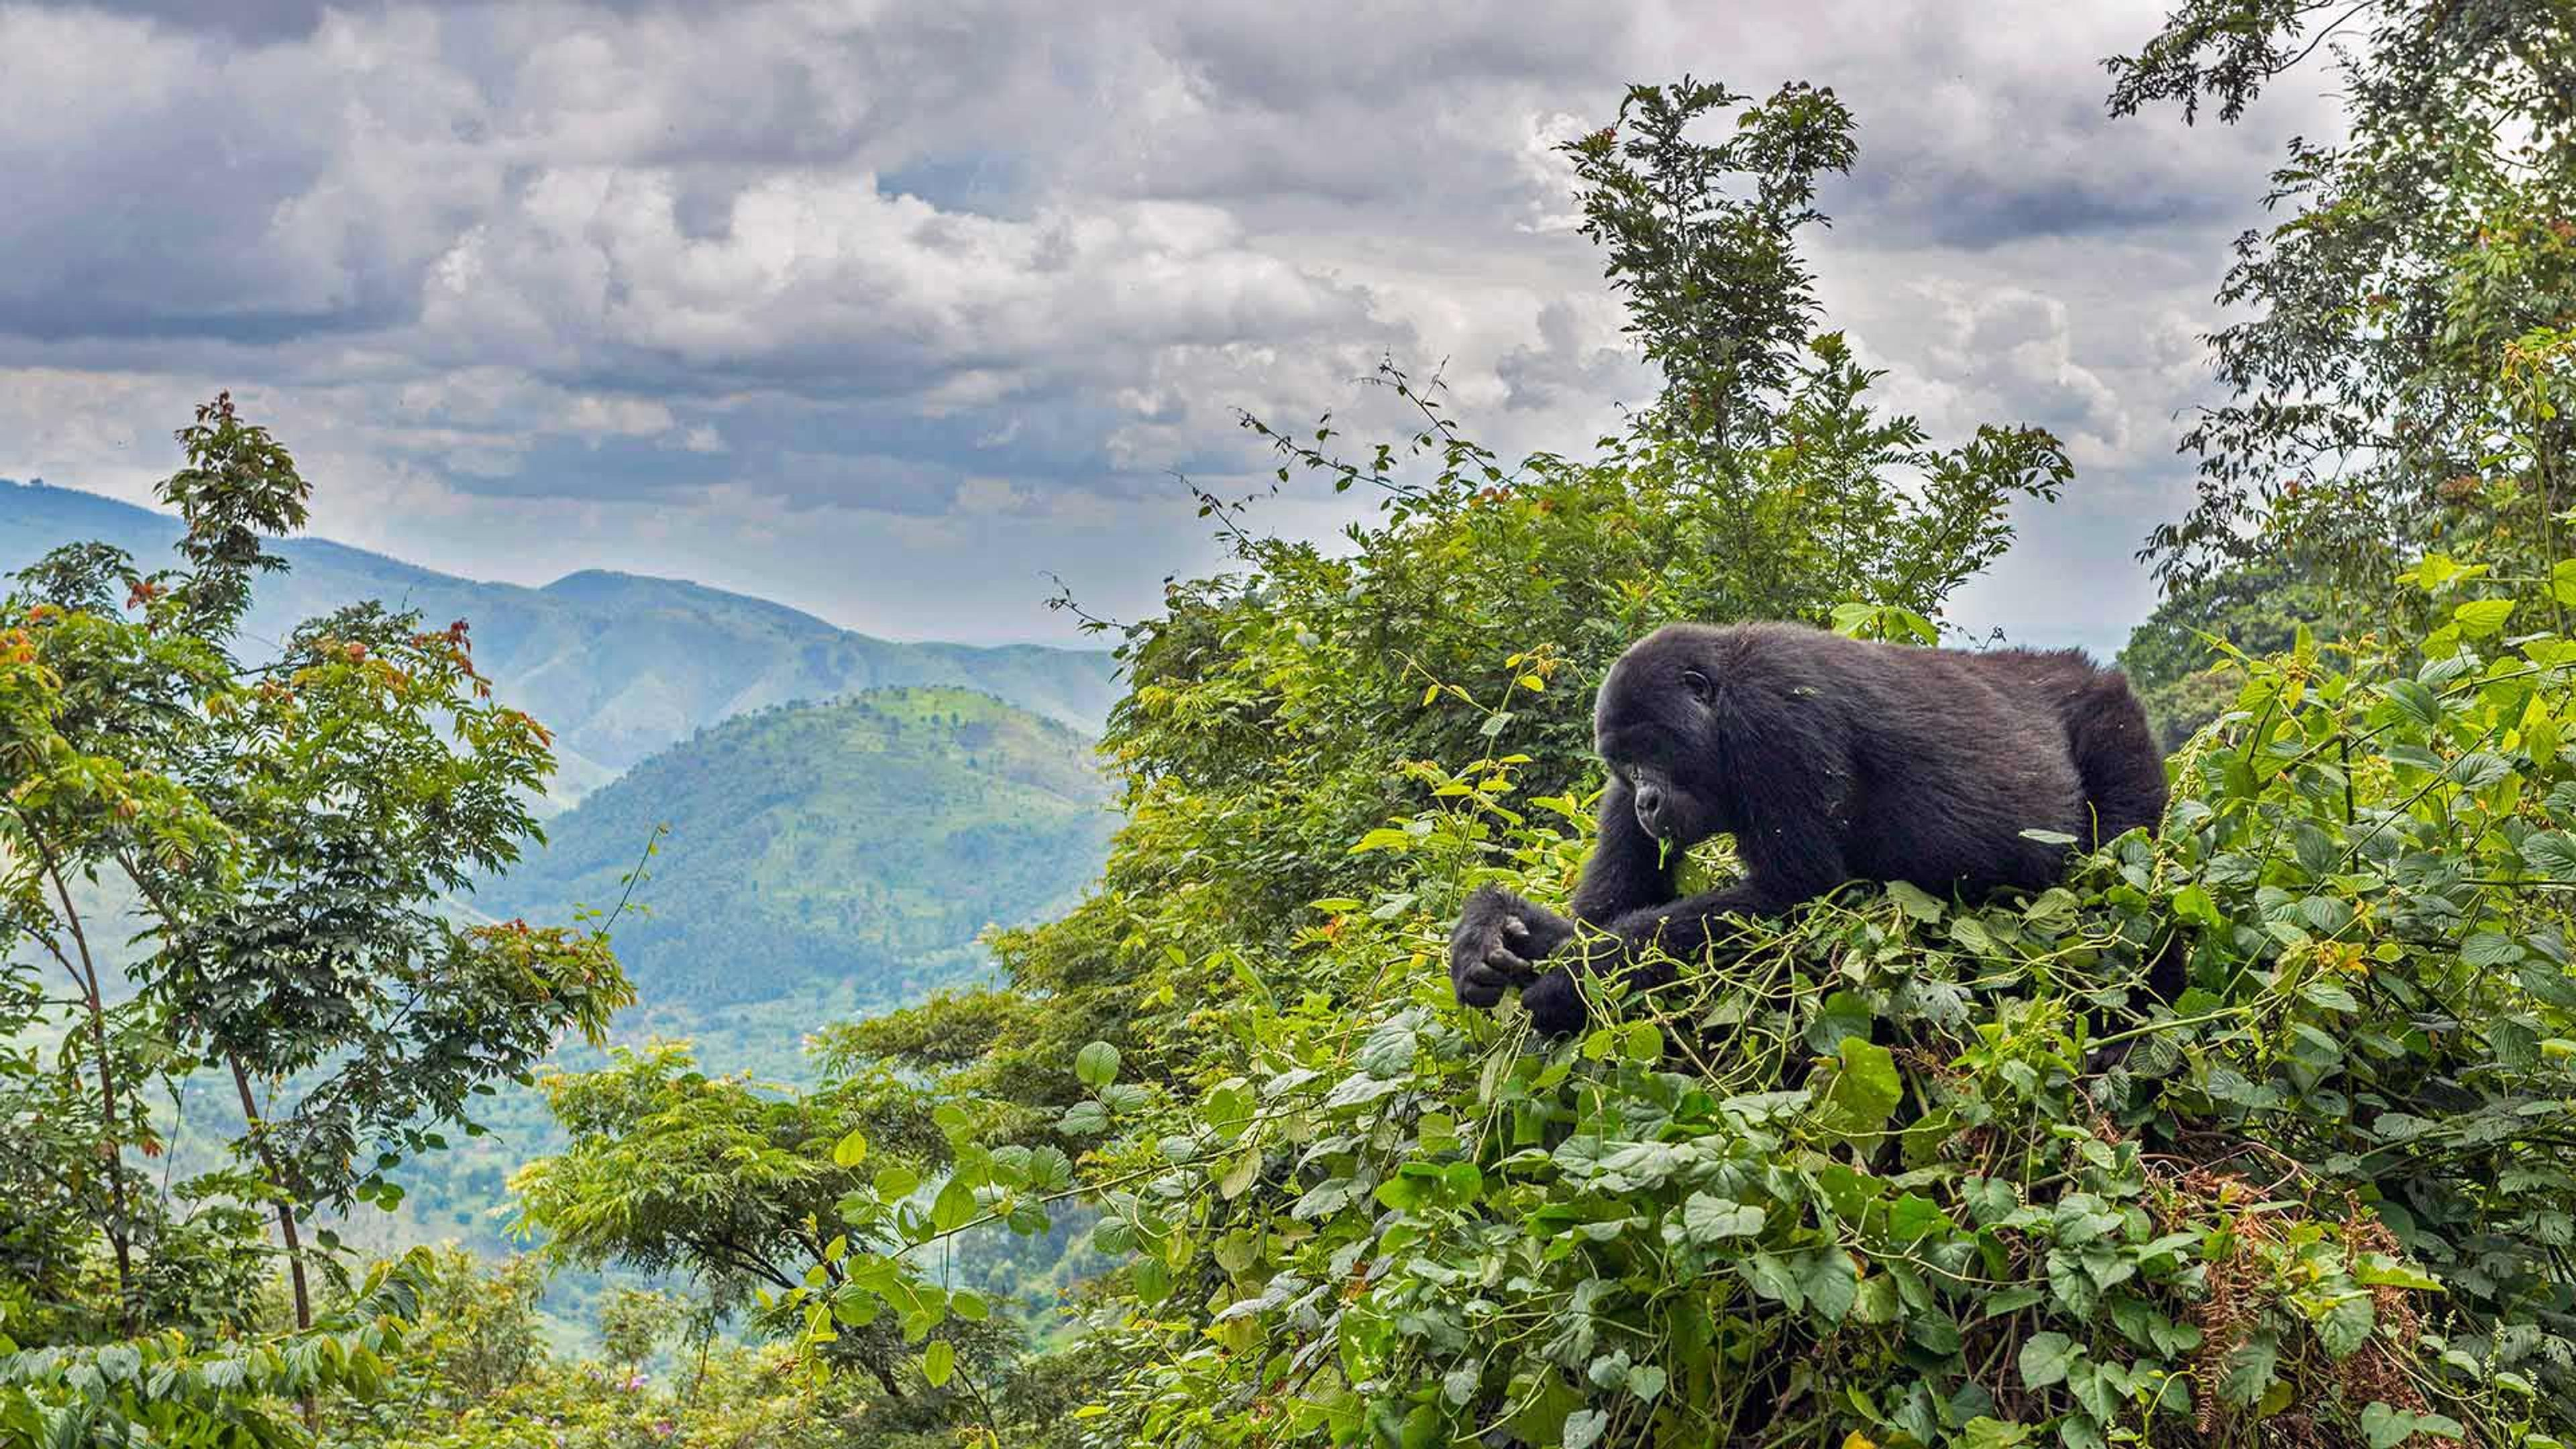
x=1894, y=1171
x=2181, y=678
x=2396, y=338
x=860, y=932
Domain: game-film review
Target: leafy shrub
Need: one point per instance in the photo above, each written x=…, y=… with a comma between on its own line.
x=1857, y=1177
x=1270, y=709
x=167, y=1388
x=474, y=1374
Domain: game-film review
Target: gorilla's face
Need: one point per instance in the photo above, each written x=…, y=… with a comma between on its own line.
x=1654, y=728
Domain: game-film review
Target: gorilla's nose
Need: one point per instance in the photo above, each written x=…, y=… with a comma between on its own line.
x=1650, y=809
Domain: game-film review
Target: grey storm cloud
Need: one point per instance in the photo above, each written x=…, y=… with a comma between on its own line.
x=767, y=268
x=253, y=20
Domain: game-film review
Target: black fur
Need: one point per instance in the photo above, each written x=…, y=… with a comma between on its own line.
x=1828, y=759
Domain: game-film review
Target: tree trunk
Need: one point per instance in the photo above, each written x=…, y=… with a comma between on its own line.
x=285, y=1208
x=112, y=1148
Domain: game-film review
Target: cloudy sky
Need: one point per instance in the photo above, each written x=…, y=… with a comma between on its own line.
x=889, y=310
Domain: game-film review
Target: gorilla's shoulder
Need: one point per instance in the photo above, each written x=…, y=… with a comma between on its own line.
x=1765, y=642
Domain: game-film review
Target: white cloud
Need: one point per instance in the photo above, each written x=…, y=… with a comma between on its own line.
x=2010, y=353
x=1548, y=172
x=895, y=265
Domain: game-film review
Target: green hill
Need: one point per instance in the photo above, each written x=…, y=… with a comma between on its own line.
x=864, y=841
x=822, y=861
x=617, y=665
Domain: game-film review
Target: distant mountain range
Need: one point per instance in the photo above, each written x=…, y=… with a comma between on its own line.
x=616, y=665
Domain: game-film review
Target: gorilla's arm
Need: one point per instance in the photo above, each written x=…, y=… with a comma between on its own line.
x=1628, y=869
x=1790, y=790
x=1798, y=861
x=1500, y=938
x=1795, y=861
x=1496, y=943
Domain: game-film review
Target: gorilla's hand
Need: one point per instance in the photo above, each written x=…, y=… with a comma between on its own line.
x=1497, y=944
x=1555, y=1003
x=1555, y=1000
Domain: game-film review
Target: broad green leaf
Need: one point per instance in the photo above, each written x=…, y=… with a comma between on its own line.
x=1912, y=1215
x=1771, y=1275
x=1404, y=1192
x=1865, y=1091
x=1096, y=1065
x=2480, y=617
x=2486, y=948
x=954, y=1207
x=1708, y=1219
x=2009, y=1300
x=2046, y=1358
x=1915, y=901
x=2385, y=1427
x=1239, y=1175
x=2418, y=702
x=2249, y=1368
x=1049, y=1169
x=1831, y=1281
x=2345, y=1324
x=1389, y=1050
x=2552, y=853
x=1844, y=1014
x=2376, y=1270
x=2478, y=769
x=1642, y=1042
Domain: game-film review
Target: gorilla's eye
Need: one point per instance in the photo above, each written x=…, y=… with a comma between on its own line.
x=1697, y=683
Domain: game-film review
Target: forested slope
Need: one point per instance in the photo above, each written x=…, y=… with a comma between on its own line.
x=866, y=840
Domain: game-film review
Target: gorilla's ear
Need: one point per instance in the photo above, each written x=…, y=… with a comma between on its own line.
x=1697, y=683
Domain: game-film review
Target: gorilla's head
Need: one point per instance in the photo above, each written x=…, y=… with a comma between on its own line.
x=1655, y=725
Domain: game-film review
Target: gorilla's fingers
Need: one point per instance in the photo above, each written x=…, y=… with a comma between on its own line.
x=1479, y=988
x=1499, y=960
x=1554, y=1003
x=1516, y=931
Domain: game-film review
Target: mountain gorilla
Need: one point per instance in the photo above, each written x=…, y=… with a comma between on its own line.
x=1828, y=759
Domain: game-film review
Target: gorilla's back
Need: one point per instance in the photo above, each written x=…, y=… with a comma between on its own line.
x=1954, y=754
